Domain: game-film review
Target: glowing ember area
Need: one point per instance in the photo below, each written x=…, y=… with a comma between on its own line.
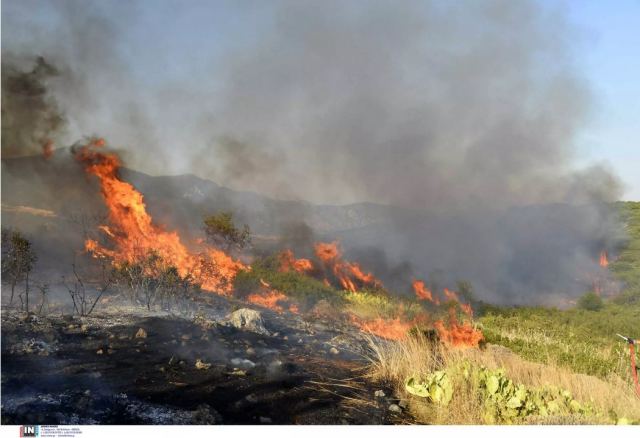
x=271, y=299
x=350, y=275
x=289, y=263
x=422, y=292
x=458, y=335
x=450, y=295
x=604, y=260
x=394, y=329
x=134, y=235
x=47, y=149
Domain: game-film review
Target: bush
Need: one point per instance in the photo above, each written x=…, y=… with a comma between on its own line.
x=307, y=290
x=590, y=301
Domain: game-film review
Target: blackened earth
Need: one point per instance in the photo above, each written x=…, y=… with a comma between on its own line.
x=103, y=369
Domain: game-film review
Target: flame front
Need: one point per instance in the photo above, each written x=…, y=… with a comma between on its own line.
x=271, y=299
x=349, y=274
x=134, y=235
x=289, y=263
x=394, y=329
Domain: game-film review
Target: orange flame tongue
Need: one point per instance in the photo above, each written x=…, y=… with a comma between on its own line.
x=347, y=273
x=604, y=260
x=394, y=329
x=288, y=262
x=47, y=149
x=458, y=335
x=271, y=299
x=134, y=234
x=422, y=291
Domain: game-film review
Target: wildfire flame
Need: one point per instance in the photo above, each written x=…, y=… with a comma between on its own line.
x=604, y=259
x=349, y=274
x=134, y=234
x=271, y=299
x=422, y=292
x=456, y=334
x=47, y=149
x=394, y=329
x=288, y=263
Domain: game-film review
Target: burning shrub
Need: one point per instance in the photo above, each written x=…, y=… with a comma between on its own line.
x=304, y=289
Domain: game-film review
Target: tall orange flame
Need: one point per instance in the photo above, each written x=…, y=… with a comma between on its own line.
x=134, y=234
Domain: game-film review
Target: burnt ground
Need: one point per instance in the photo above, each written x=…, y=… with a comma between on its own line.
x=95, y=370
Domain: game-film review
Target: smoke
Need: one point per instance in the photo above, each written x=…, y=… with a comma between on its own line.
x=31, y=118
x=434, y=105
x=466, y=112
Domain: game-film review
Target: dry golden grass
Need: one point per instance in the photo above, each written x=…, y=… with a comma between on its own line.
x=394, y=362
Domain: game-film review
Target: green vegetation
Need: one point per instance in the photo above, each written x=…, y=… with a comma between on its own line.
x=626, y=265
x=371, y=304
x=502, y=401
x=307, y=290
x=581, y=340
x=590, y=301
x=221, y=230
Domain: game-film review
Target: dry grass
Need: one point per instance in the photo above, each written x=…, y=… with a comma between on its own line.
x=394, y=362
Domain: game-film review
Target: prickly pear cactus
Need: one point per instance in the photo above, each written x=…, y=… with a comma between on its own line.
x=503, y=400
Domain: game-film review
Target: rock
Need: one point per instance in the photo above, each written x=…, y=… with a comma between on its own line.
x=99, y=351
x=202, y=365
x=185, y=337
x=395, y=408
x=379, y=393
x=265, y=420
x=334, y=350
x=141, y=333
x=403, y=404
x=251, y=351
x=251, y=398
x=248, y=319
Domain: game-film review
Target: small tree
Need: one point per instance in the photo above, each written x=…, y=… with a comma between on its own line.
x=590, y=301
x=83, y=305
x=18, y=259
x=221, y=230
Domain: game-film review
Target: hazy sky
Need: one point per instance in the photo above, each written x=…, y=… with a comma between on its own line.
x=162, y=44
x=610, y=57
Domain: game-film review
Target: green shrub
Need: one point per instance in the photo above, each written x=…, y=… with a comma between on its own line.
x=590, y=301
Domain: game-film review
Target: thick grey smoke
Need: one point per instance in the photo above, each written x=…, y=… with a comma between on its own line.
x=31, y=118
x=461, y=116
x=438, y=105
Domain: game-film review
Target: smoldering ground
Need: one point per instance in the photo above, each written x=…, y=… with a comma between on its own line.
x=466, y=113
